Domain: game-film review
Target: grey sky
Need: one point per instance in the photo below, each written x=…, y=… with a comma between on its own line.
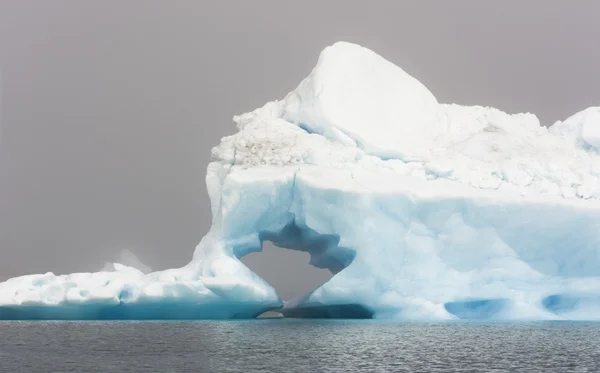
x=110, y=107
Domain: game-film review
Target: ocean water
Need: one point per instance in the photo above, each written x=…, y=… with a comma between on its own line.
x=295, y=345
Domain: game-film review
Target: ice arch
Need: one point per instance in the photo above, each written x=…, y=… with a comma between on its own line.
x=325, y=253
x=414, y=249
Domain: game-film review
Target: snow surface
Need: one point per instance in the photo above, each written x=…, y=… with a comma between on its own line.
x=421, y=210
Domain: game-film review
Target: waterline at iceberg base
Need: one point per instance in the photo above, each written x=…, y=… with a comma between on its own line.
x=421, y=210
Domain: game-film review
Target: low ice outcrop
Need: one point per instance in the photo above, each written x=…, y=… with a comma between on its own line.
x=421, y=210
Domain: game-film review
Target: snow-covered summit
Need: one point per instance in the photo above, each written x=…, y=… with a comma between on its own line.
x=358, y=109
x=420, y=209
x=356, y=97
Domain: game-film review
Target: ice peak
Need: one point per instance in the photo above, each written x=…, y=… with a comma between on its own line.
x=355, y=94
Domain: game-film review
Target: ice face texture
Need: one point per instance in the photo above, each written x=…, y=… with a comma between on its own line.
x=421, y=210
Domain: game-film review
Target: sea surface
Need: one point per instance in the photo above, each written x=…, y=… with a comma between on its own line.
x=295, y=345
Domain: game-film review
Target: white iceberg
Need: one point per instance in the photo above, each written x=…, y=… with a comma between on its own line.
x=421, y=210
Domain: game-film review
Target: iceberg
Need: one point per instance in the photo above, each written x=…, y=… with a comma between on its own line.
x=421, y=210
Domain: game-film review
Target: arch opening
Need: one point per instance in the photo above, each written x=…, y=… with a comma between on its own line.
x=287, y=271
x=293, y=280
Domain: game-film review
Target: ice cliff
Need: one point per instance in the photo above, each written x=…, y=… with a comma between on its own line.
x=422, y=210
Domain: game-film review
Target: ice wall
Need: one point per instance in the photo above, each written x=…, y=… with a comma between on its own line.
x=421, y=210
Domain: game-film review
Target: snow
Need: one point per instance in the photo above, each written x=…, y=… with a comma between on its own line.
x=392, y=112
x=422, y=210
x=127, y=259
x=590, y=128
x=583, y=127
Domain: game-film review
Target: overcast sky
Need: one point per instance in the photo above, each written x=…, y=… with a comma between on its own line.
x=110, y=107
